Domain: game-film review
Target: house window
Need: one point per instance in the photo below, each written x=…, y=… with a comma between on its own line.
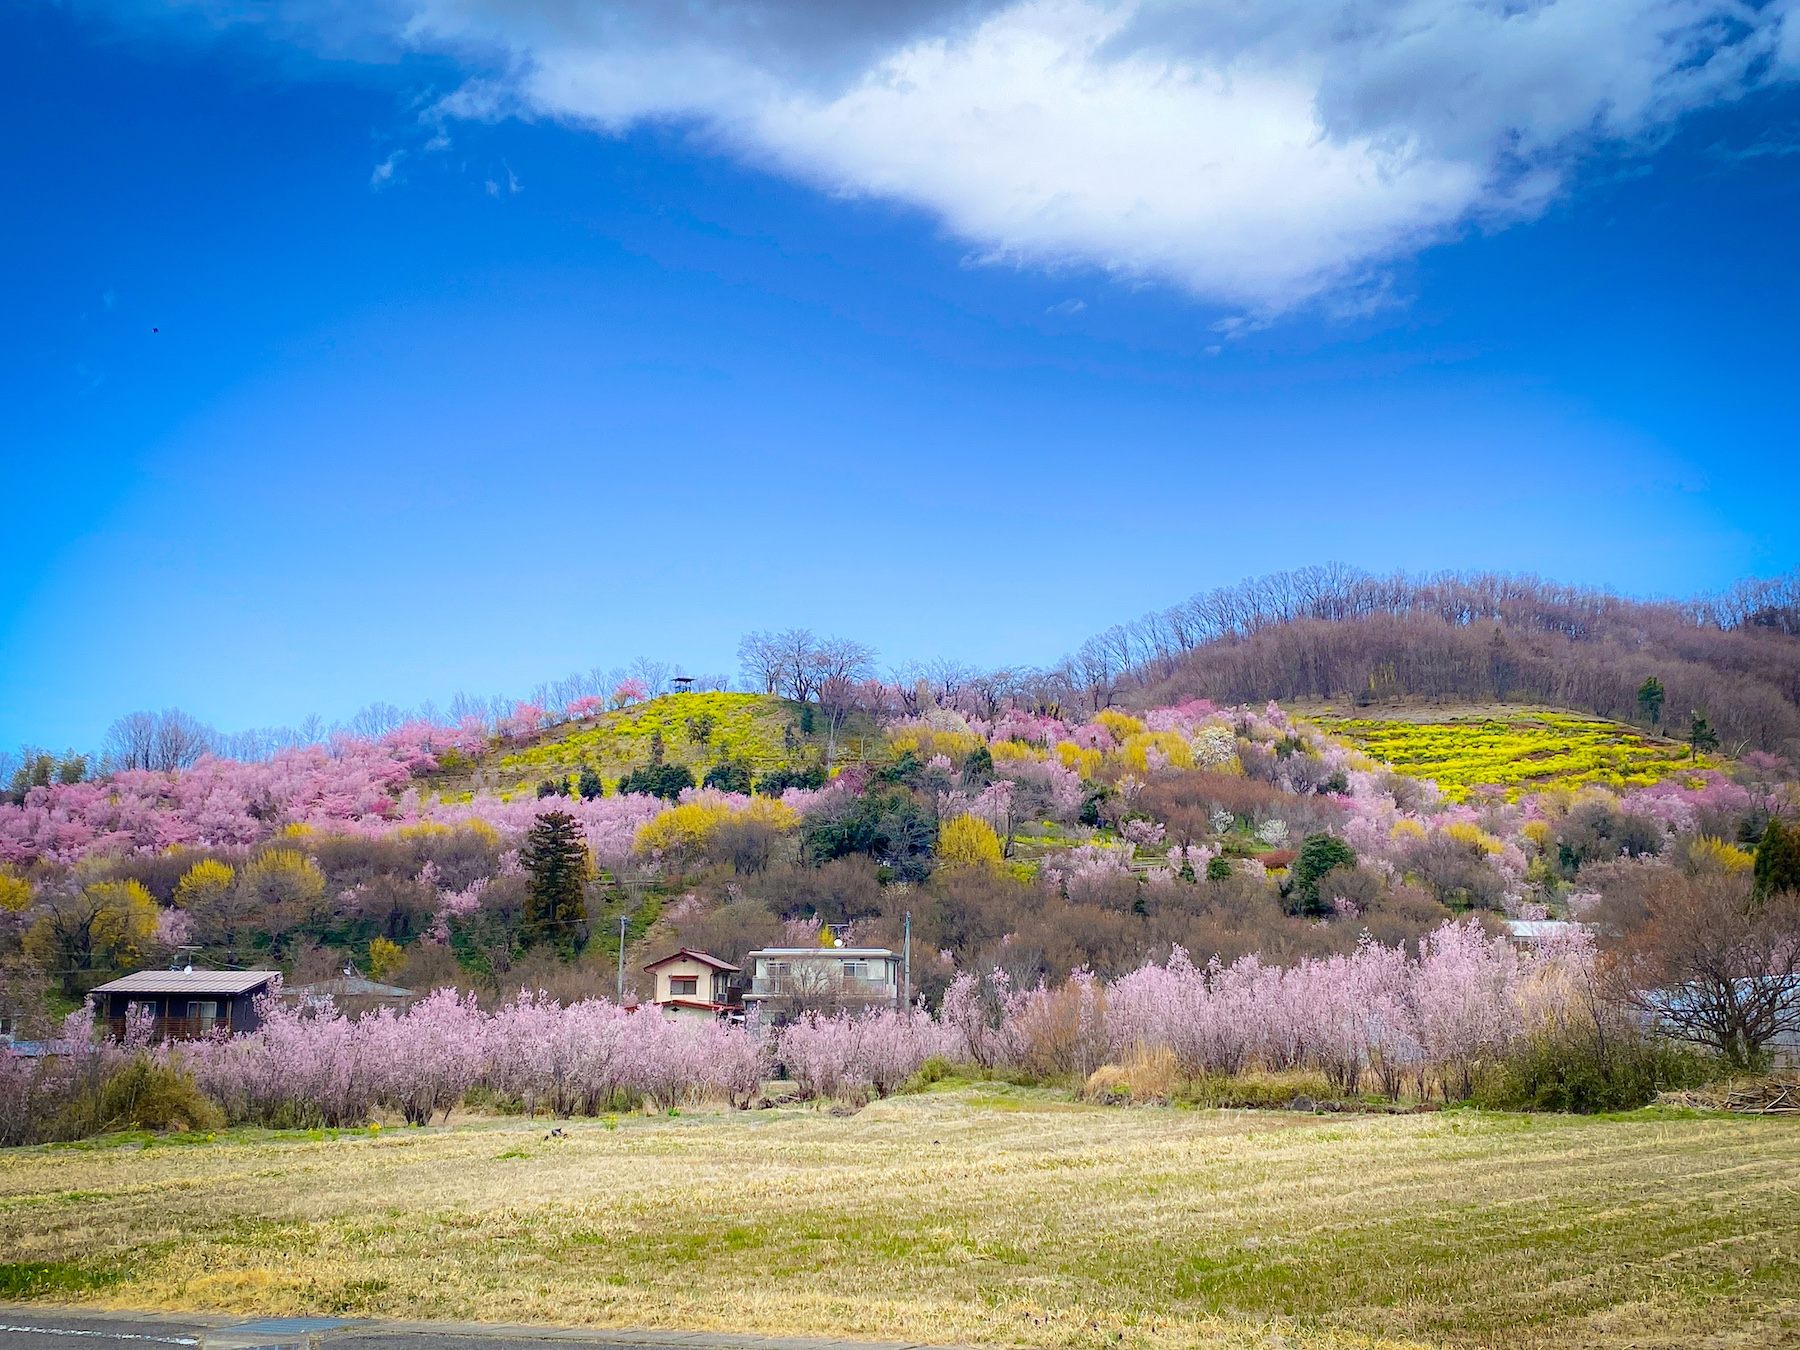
x=205, y=1016
x=683, y=986
x=856, y=970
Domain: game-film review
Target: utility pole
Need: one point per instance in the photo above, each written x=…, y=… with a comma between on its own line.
x=621, y=960
x=906, y=963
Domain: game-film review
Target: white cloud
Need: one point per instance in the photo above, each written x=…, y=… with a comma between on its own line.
x=1066, y=308
x=383, y=173
x=1256, y=153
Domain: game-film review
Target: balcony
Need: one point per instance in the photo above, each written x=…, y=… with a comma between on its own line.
x=861, y=991
x=172, y=1028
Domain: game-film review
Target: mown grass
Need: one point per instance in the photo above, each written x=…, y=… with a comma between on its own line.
x=1518, y=750
x=938, y=1217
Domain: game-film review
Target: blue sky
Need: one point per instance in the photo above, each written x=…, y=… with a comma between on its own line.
x=462, y=348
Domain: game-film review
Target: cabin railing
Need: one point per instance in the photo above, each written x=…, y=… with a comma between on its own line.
x=171, y=1028
x=837, y=988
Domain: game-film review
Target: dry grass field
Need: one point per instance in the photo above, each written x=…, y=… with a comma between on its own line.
x=976, y=1214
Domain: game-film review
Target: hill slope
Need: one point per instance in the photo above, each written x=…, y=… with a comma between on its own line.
x=697, y=730
x=1516, y=749
x=1331, y=634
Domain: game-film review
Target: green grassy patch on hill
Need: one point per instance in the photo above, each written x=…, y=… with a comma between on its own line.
x=1515, y=749
x=698, y=730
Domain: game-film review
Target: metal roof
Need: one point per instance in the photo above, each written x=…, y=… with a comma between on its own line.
x=189, y=982
x=1540, y=928
x=350, y=986
x=857, y=952
x=688, y=953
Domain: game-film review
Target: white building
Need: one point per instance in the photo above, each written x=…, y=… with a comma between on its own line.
x=789, y=980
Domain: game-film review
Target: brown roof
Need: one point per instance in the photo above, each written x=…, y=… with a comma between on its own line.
x=689, y=954
x=189, y=982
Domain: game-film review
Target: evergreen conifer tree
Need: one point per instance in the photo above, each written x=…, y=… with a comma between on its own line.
x=555, y=859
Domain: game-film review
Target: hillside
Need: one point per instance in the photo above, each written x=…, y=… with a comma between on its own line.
x=695, y=730
x=1335, y=634
x=1512, y=748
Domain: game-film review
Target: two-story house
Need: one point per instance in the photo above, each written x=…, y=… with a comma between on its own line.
x=787, y=981
x=694, y=984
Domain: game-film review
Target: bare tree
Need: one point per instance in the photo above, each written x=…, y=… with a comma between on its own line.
x=809, y=987
x=376, y=720
x=844, y=659
x=163, y=741
x=799, y=654
x=180, y=740
x=760, y=658
x=840, y=696
x=130, y=742
x=1709, y=966
x=655, y=674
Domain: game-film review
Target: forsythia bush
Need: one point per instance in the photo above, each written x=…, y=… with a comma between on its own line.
x=1122, y=725
x=207, y=880
x=966, y=841
x=15, y=893
x=689, y=827
x=1707, y=852
x=1472, y=835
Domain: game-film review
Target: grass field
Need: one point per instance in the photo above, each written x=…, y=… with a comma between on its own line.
x=982, y=1214
x=1518, y=749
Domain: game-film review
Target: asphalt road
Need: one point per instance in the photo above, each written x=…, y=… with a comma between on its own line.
x=33, y=1327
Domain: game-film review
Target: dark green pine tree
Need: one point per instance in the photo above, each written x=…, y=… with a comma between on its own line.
x=1318, y=855
x=555, y=859
x=1777, y=861
x=1650, y=700
x=1701, y=735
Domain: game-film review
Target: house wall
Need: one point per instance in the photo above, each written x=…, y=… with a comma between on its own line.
x=703, y=973
x=875, y=978
x=237, y=1012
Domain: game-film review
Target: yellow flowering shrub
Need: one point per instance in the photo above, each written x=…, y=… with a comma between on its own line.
x=1473, y=835
x=967, y=841
x=385, y=959
x=1175, y=748
x=1709, y=854
x=1120, y=724
x=208, y=879
x=689, y=827
x=15, y=893
x=128, y=920
x=283, y=876
x=1072, y=756
x=481, y=830
x=1018, y=752
x=1406, y=831
x=925, y=742
x=422, y=829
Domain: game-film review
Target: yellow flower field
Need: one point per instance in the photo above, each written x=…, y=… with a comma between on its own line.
x=1518, y=751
